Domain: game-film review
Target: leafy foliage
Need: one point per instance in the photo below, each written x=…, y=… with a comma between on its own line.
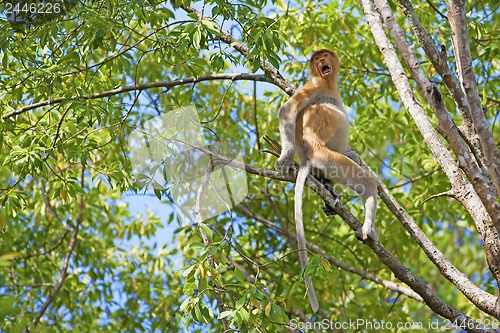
x=64, y=166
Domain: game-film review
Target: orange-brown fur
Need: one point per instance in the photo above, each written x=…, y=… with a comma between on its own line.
x=313, y=122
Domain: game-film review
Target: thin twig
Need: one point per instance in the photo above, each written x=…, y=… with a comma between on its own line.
x=51, y=209
x=201, y=224
x=448, y=193
x=64, y=270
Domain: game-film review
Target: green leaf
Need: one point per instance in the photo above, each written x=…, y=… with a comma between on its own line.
x=274, y=61
x=239, y=276
x=189, y=271
x=157, y=192
x=197, y=38
x=241, y=302
x=197, y=245
x=207, y=232
x=199, y=316
x=223, y=258
x=225, y=314
x=244, y=314
x=277, y=314
x=185, y=304
x=9, y=256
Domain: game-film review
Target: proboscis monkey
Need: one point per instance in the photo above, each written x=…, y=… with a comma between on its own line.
x=313, y=122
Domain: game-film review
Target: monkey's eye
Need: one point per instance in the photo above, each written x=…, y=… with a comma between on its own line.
x=326, y=55
x=316, y=58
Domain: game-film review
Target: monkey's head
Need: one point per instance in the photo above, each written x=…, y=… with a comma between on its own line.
x=325, y=64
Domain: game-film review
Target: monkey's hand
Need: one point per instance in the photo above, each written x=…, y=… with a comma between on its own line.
x=285, y=161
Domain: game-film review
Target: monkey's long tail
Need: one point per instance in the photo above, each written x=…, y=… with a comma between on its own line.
x=304, y=171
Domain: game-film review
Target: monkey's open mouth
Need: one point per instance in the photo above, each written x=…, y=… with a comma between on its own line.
x=326, y=69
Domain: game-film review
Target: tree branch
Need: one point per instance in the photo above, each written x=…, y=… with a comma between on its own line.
x=313, y=247
x=460, y=41
x=206, y=241
x=482, y=299
x=463, y=194
x=271, y=72
x=64, y=269
x=473, y=121
x=144, y=86
x=249, y=279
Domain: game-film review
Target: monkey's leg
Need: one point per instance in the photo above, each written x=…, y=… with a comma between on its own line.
x=340, y=169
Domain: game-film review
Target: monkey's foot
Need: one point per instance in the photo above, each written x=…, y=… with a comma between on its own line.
x=362, y=234
x=328, y=210
x=285, y=161
x=353, y=156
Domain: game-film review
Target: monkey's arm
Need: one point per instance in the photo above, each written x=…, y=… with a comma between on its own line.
x=287, y=117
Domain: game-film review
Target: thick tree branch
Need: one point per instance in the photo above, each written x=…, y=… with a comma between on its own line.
x=463, y=194
x=474, y=122
x=461, y=47
x=431, y=137
x=144, y=86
